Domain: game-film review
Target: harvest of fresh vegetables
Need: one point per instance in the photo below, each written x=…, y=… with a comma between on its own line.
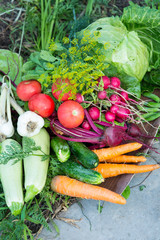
x=75, y=109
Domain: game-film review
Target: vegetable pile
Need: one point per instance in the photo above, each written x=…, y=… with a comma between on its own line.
x=72, y=115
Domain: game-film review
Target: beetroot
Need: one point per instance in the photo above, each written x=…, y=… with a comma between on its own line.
x=113, y=136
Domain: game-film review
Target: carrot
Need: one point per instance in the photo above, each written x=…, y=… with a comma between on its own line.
x=111, y=170
x=126, y=159
x=111, y=152
x=74, y=188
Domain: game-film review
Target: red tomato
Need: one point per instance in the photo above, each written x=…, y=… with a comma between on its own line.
x=26, y=89
x=70, y=114
x=42, y=104
x=56, y=94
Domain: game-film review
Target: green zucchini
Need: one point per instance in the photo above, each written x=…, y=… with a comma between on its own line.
x=61, y=149
x=75, y=170
x=83, y=154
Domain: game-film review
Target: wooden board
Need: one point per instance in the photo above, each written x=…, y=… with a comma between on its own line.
x=119, y=183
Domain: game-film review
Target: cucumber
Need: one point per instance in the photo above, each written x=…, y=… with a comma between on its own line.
x=83, y=154
x=75, y=170
x=61, y=149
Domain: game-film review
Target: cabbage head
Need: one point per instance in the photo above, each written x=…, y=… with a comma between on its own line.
x=127, y=55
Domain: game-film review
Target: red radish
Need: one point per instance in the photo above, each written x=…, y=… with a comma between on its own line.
x=124, y=96
x=79, y=98
x=115, y=82
x=120, y=120
x=94, y=113
x=86, y=125
x=41, y=104
x=115, y=99
x=106, y=81
x=102, y=94
x=63, y=83
x=114, y=109
x=109, y=116
x=70, y=114
x=123, y=113
x=26, y=89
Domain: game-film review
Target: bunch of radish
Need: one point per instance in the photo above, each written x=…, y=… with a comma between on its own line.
x=119, y=108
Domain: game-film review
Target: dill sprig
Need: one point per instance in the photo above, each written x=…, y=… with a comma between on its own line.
x=80, y=61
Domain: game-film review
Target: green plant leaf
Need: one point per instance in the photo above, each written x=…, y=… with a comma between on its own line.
x=10, y=64
x=146, y=22
x=47, y=56
x=126, y=192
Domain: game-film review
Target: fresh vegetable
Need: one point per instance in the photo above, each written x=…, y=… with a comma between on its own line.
x=6, y=125
x=74, y=188
x=115, y=99
x=29, y=123
x=105, y=82
x=70, y=114
x=134, y=131
x=83, y=154
x=115, y=82
x=42, y=104
x=58, y=93
x=127, y=55
x=107, y=153
x=114, y=109
x=61, y=148
x=11, y=178
x=109, y=116
x=144, y=21
x=75, y=170
x=152, y=96
x=125, y=159
x=35, y=170
x=79, y=98
x=26, y=89
x=111, y=170
x=123, y=113
x=86, y=125
x=102, y=94
x=124, y=96
x=94, y=113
